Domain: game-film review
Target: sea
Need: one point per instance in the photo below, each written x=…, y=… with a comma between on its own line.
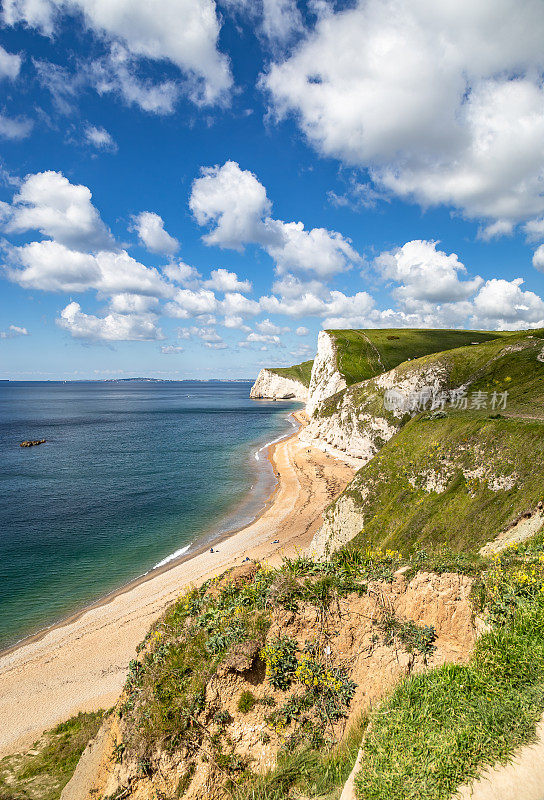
x=132, y=476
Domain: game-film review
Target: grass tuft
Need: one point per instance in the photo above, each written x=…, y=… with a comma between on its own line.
x=246, y=702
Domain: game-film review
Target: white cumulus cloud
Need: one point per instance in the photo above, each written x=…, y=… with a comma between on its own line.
x=117, y=73
x=280, y=20
x=13, y=331
x=171, y=349
x=263, y=338
x=100, y=138
x=235, y=204
x=151, y=233
x=49, y=203
x=112, y=327
x=333, y=304
x=442, y=102
x=53, y=267
x=187, y=303
x=234, y=201
x=504, y=304
x=235, y=304
x=127, y=303
x=224, y=281
x=184, y=274
x=276, y=21
x=182, y=32
x=10, y=64
x=236, y=323
x=425, y=274
x=14, y=127
x=270, y=328
x=538, y=258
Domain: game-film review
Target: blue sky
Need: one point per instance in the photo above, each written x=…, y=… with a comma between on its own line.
x=195, y=189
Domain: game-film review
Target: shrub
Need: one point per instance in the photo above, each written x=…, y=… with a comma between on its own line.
x=515, y=578
x=246, y=701
x=279, y=655
x=414, y=638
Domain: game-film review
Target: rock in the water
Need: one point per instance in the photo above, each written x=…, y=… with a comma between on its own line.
x=32, y=442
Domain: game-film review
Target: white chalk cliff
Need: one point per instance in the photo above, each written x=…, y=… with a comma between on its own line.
x=353, y=422
x=326, y=378
x=271, y=386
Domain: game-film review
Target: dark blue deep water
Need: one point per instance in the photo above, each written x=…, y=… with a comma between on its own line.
x=130, y=474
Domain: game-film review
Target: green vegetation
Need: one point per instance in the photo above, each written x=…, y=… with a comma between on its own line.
x=280, y=658
x=431, y=485
x=439, y=729
x=434, y=732
x=165, y=690
x=455, y=477
x=414, y=638
x=165, y=687
x=246, y=702
x=164, y=706
x=43, y=772
x=324, y=701
x=306, y=772
x=495, y=366
x=363, y=354
x=299, y=372
x=514, y=580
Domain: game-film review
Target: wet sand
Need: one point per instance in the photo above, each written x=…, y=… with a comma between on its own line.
x=80, y=665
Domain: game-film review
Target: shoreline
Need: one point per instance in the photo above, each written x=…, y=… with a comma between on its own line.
x=160, y=568
x=79, y=664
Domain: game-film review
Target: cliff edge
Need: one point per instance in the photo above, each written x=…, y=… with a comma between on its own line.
x=271, y=386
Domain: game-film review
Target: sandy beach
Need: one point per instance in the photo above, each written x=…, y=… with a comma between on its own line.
x=80, y=665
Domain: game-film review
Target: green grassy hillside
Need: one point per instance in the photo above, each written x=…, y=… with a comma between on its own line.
x=435, y=483
x=298, y=372
x=366, y=353
x=440, y=729
x=464, y=456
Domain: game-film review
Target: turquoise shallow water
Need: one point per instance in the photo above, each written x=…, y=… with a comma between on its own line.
x=131, y=473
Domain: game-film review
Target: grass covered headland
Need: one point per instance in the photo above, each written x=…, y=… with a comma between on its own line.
x=298, y=372
x=365, y=354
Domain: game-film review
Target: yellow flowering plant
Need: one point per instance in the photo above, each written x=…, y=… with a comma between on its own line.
x=280, y=659
x=514, y=579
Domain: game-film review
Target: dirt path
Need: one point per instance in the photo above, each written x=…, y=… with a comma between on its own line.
x=373, y=346
x=521, y=779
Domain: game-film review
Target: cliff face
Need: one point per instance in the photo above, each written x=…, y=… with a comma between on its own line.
x=326, y=378
x=430, y=462
x=356, y=422
x=350, y=642
x=270, y=386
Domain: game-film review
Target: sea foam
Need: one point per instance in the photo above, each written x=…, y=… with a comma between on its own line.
x=172, y=556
